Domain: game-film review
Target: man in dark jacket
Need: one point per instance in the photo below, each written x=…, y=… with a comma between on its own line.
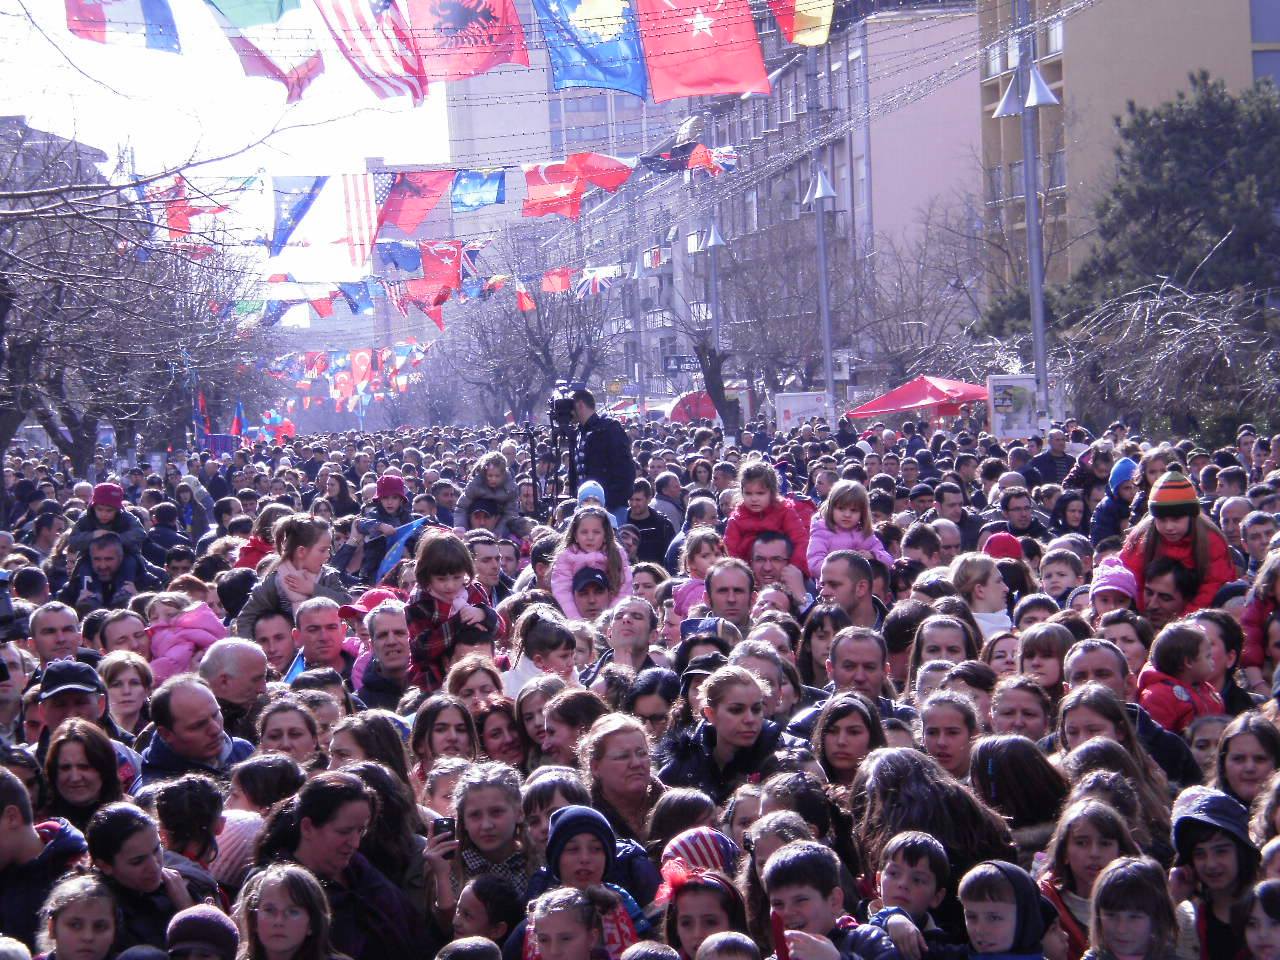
x=604, y=452
x=189, y=734
x=163, y=535
x=236, y=671
x=32, y=859
x=1054, y=463
x=387, y=676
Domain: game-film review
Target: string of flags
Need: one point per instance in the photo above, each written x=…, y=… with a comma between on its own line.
x=350, y=379
x=660, y=48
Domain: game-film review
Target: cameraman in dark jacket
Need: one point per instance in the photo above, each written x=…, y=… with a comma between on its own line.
x=604, y=452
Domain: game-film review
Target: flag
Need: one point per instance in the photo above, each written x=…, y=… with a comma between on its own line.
x=806, y=22
x=470, y=249
x=323, y=307
x=413, y=195
x=376, y=39
x=136, y=23
x=441, y=262
x=595, y=281
x=593, y=44
x=557, y=280
x=237, y=422
x=552, y=188
x=473, y=189
x=524, y=300
x=363, y=195
x=672, y=160
x=357, y=295
x=694, y=48
x=273, y=39
x=437, y=317
x=293, y=198
x=465, y=38
x=361, y=365
x=396, y=546
x=601, y=170
x=714, y=160
x=405, y=257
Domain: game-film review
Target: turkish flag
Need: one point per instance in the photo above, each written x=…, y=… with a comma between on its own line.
x=414, y=194
x=601, y=170
x=459, y=40
x=361, y=364
x=557, y=280
x=695, y=48
x=442, y=262
x=552, y=188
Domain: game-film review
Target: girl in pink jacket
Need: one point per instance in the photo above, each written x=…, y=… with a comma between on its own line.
x=843, y=522
x=589, y=542
x=180, y=628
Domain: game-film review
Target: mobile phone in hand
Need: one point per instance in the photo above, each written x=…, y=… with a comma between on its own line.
x=444, y=826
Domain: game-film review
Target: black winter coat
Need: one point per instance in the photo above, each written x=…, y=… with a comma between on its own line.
x=604, y=455
x=685, y=760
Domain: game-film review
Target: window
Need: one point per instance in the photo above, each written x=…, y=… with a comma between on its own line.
x=995, y=184
x=860, y=182
x=1265, y=15
x=1015, y=53
x=1054, y=37
x=1015, y=179
x=1266, y=63
x=995, y=60
x=1057, y=170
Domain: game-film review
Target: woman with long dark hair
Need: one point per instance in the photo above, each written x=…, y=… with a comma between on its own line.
x=82, y=771
x=321, y=828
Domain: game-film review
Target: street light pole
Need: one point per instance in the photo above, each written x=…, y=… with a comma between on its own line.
x=712, y=247
x=820, y=190
x=1031, y=199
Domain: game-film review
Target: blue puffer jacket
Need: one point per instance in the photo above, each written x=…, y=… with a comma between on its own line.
x=160, y=762
x=632, y=871
x=24, y=886
x=1109, y=516
x=685, y=760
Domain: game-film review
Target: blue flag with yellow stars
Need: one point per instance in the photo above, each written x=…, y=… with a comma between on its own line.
x=293, y=197
x=594, y=43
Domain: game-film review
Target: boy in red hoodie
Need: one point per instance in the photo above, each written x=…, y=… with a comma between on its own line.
x=1174, y=686
x=762, y=508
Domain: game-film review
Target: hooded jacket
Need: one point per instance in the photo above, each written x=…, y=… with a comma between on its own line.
x=506, y=496
x=1109, y=515
x=1174, y=704
x=175, y=642
x=24, y=886
x=687, y=759
x=161, y=762
x=824, y=541
x=266, y=596
x=744, y=526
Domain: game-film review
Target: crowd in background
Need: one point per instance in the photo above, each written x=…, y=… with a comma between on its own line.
x=901, y=690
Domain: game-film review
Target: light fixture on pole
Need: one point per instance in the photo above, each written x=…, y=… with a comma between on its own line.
x=820, y=191
x=1027, y=92
x=711, y=244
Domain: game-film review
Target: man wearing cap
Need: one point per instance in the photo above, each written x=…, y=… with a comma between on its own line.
x=72, y=689
x=483, y=514
x=189, y=735
x=590, y=592
x=387, y=675
x=236, y=671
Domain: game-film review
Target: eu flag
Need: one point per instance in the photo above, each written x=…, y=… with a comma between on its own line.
x=473, y=189
x=593, y=43
x=294, y=197
x=405, y=257
x=358, y=297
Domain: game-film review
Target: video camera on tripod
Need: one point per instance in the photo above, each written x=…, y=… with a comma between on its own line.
x=563, y=422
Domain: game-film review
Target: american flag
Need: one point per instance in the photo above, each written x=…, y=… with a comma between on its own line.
x=397, y=293
x=375, y=37
x=363, y=196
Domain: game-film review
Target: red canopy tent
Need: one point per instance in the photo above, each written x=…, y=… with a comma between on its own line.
x=921, y=393
x=692, y=406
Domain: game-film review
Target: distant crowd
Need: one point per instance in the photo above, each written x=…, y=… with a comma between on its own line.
x=890, y=691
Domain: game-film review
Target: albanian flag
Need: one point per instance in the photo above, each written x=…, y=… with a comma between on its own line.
x=465, y=38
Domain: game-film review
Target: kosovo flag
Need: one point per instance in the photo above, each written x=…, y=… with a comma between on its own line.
x=473, y=189
x=293, y=198
x=593, y=43
x=405, y=257
x=357, y=295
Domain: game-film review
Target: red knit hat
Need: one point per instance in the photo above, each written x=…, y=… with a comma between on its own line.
x=1173, y=496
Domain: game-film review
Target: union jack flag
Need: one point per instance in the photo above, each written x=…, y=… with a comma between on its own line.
x=595, y=281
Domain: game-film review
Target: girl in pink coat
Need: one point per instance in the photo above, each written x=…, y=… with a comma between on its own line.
x=180, y=629
x=843, y=522
x=589, y=542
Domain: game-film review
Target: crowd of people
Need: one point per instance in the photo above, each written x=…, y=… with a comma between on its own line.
x=901, y=690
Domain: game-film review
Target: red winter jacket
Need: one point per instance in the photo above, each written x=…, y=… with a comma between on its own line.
x=1253, y=621
x=744, y=526
x=1221, y=570
x=1174, y=704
